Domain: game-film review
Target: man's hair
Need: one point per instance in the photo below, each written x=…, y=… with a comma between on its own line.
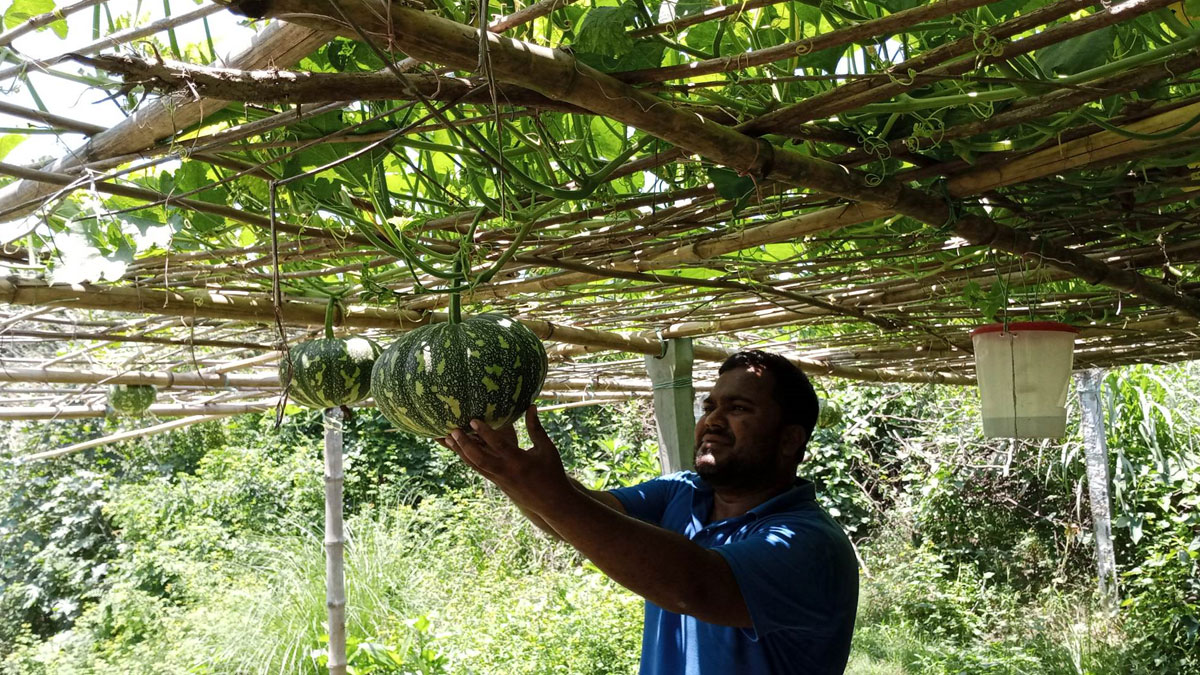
x=793, y=392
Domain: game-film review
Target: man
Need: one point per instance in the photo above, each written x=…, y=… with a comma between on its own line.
x=742, y=572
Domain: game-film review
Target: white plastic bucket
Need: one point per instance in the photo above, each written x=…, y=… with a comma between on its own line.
x=1023, y=373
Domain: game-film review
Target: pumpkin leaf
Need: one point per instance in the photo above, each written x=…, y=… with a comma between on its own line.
x=23, y=10
x=1078, y=54
x=8, y=142
x=603, y=33
x=732, y=186
x=807, y=13
x=825, y=59
x=728, y=184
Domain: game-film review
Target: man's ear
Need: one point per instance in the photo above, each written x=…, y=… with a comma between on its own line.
x=795, y=439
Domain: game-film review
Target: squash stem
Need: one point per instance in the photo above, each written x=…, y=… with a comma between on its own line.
x=455, y=308
x=329, y=311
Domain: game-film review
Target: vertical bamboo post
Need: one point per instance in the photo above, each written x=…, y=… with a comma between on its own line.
x=1095, y=449
x=335, y=585
x=671, y=373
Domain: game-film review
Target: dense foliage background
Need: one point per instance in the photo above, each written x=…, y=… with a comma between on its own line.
x=200, y=551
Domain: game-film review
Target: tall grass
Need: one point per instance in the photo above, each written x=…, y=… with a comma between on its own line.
x=496, y=596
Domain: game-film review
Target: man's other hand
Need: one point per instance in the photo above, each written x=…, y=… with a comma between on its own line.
x=534, y=479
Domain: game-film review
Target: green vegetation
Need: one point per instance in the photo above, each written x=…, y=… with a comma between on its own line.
x=200, y=551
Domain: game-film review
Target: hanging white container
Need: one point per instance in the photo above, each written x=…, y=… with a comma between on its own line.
x=1023, y=371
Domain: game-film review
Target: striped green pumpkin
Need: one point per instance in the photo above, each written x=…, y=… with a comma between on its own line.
x=329, y=372
x=439, y=377
x=829, y=414
x=131, y=399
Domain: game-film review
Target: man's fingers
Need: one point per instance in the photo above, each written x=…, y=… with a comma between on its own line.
x=496, y=439
x=537, y=434
x=472, y=453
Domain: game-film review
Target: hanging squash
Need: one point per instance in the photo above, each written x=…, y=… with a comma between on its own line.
x=441, y=376
x=131, y=400
x=829, y=414
x=329, y=371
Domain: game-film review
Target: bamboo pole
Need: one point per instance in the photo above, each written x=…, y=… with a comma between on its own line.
x=1101, y=146
x=335, y=543
x=76, y=412
x=215, y=410
x=257, y=308
x=293, y=87
x=123, y=436
x=1095, y=449
x=581, y=404
x=143, y=339
x=228, y=305
x=163, y=380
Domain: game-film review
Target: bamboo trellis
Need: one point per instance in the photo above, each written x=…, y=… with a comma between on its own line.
x=855, y=183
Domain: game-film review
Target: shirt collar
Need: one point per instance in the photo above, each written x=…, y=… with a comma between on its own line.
x=802, y=490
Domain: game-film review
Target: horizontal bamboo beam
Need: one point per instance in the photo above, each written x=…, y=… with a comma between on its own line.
x=199, y=419
x=294, y=87
x=582, y=404
x=258, y=309
x=227, y=305
x=75, y=412
x=123, y=436
x=143, y=339
x=215, y=410
x=160, y=379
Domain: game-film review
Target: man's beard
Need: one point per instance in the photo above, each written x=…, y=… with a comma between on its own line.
x=739, y=471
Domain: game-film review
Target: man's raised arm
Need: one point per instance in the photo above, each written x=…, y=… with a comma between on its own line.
x=664, y=567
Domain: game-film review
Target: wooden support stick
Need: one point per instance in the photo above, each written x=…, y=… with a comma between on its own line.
x=335, y=543
x=671, y=372
x=1095, y=450
x=123, y=436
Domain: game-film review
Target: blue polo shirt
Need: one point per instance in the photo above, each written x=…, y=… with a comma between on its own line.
x=793, y=564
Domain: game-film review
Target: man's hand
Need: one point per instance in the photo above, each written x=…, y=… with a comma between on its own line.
x=533, y=479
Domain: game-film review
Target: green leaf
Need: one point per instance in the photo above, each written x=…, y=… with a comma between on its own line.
x=732, y=186
x=191, y=175
x=825, y=59
x=1076, y=55
x=807, y=13
x=8, y=142
x=1008, y=8
x=608, y=143
x=701, y=36
x=689, y=7
x=645, y=54
x=23, y=10
x=59, y=27
x=603, y=32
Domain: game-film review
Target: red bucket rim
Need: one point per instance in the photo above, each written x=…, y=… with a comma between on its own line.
x=1026, y=325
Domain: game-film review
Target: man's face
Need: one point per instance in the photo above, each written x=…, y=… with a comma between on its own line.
x=741, y=440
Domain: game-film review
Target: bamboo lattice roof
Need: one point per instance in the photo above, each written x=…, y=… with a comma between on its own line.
x=857, y=183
